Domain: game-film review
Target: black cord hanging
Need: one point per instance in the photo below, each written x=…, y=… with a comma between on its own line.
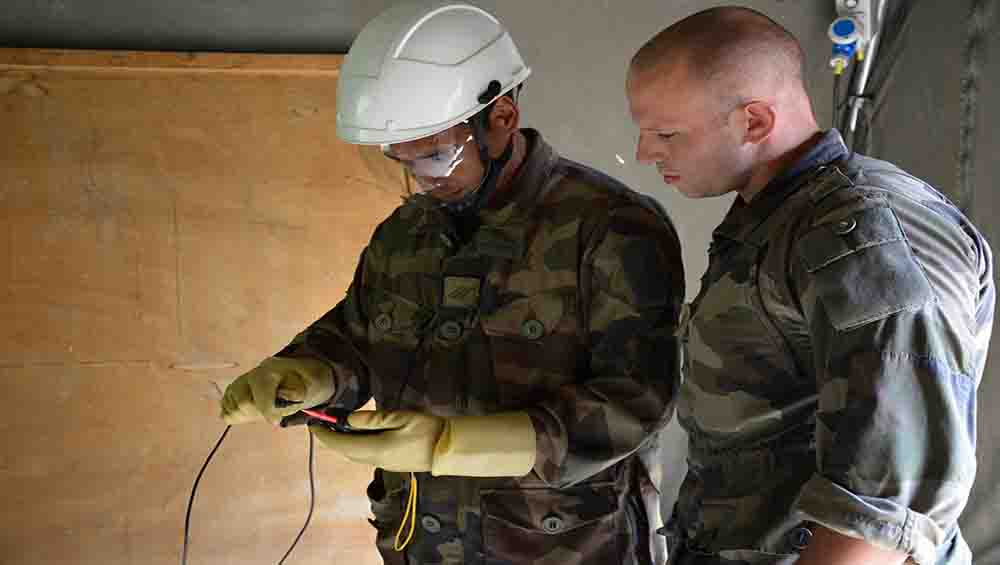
x=194, y=491
x=312, y=499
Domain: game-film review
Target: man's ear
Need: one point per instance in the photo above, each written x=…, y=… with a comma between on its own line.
x=505, y=115
x=760, y=119
x=504, y=121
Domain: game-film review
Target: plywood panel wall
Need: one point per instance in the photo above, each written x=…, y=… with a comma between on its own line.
x=166, y=221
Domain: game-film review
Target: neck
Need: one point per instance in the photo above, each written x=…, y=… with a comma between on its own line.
x=514, y=164
x=781, y=156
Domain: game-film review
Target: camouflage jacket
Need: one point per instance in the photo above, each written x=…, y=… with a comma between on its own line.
x=833, y=356
x=561, y=300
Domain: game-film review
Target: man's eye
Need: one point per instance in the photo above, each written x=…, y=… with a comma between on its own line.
x=436, y=156
x=665, y=136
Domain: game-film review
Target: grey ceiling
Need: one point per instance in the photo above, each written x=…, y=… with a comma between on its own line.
x=321, y=26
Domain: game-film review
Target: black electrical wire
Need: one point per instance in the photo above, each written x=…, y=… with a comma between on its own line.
x=838, y=105
x=312, y=500
x=194, y=491
x=835, y=106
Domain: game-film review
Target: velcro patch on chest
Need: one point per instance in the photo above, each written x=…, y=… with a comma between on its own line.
x=461, y=292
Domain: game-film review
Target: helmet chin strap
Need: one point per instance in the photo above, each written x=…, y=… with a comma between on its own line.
x=470, y=204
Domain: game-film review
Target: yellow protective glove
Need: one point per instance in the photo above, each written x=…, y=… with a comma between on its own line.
x=251, y=397
x=498, y=445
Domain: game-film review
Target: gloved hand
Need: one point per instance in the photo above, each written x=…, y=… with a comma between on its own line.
x=498, y=445
x=251, y=397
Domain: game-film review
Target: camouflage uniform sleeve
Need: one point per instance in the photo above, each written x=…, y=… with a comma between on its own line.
x=339, y=339
x=631, y=288
x=899, y=303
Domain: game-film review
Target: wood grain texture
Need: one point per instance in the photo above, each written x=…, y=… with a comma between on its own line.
x=166, y=221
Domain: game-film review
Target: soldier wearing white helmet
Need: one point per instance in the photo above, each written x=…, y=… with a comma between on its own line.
x=425, y=95
x=514, y=321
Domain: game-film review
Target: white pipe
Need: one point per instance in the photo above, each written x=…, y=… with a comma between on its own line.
x=866, y=67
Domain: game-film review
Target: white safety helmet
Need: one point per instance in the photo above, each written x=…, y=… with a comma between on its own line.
x=422, y=67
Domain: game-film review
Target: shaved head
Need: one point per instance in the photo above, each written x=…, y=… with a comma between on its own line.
x=734, y=51
x=720, y=102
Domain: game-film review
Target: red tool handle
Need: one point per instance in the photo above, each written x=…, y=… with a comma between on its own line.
x=320, y=415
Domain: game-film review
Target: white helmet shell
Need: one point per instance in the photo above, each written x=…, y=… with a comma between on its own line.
x=419, y=68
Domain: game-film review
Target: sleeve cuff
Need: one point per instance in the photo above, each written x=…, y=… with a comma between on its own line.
x=882, y=522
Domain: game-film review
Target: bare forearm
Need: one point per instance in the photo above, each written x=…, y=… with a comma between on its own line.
x=830, y=548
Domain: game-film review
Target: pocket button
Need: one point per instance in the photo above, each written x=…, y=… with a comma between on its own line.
x=383, y=322
x=552, y=524
x=800, y=538
x=450, y=330
x=844, y=227
x=532, y=329
x=430, y=524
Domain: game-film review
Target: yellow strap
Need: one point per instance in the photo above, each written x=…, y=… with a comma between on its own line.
x=410, y=514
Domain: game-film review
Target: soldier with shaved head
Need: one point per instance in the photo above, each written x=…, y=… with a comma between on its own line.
x=834, y=350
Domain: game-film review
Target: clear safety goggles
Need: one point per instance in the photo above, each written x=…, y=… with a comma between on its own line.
x=434, y=158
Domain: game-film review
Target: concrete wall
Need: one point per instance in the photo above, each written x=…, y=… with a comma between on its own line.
x=314, y=26
x=919, y=129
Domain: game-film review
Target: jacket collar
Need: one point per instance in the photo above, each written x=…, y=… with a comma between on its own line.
x=744, y=218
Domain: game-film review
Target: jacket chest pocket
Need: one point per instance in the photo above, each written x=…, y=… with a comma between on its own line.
x=396, y=327
x=533, y=346
x=575, y=526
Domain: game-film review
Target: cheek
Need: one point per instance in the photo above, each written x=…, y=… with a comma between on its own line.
x=470, y=172
x=730, y=158
x=719, y=149
x=692, y=159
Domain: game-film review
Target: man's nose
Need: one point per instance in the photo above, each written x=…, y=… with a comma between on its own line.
x=643, y=153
